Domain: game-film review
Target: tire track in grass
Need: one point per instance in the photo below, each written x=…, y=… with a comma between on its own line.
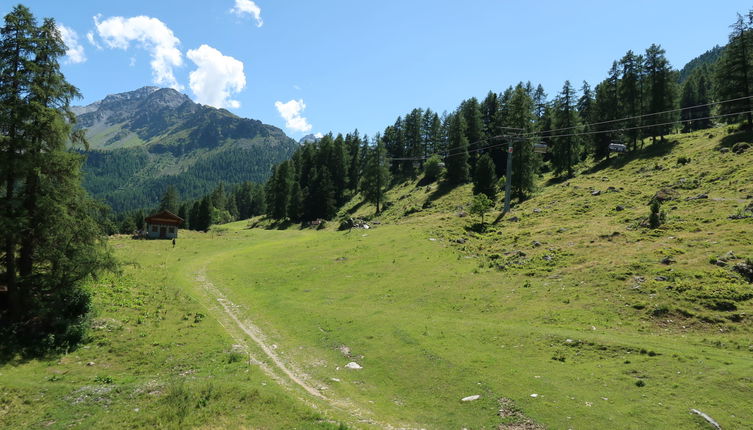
x=231, y=312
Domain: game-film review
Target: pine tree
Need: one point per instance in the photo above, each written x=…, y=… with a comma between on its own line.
x=338, y=166
x=734, y=72
x=474, y=131
x=525, y=163
x=606, y=110
x=170, y=200
x=702, y=114
x=51, y=230
x=484, y=179
x=219, y=197
x=295, y=202
x=661, y=92
x=413, y=140
x=376, y=176
x=566, y=149
x=630, y=95
x=204, y=215
x=457, y=157
x=688, y=99
x=585, y=108
x=353, y=146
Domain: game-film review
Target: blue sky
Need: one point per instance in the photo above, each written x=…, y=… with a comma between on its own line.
x=360, y=64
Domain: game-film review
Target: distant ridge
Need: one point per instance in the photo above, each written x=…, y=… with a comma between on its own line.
x=143, y=140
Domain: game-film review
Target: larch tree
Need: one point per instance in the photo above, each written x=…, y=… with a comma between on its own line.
x=660, y=92
x=456, y=160
x=52, y=239
x=566, y=142
x=376, y=176
x=734, y=72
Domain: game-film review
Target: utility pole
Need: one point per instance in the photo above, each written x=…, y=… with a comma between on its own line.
x=508, y=177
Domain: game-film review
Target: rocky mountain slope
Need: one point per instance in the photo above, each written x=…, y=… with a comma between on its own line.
x=143, y=140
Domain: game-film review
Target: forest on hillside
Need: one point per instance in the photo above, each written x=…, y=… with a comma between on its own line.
x=641, y=100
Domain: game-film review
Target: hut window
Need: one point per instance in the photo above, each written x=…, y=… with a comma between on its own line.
x=154, y=228
x=172, y=230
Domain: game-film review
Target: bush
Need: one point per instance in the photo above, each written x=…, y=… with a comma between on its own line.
x=657, y=216
x=740, y=147
x=433, y=168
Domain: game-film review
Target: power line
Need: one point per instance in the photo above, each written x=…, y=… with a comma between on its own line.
x=651, y=114
x=528, y=136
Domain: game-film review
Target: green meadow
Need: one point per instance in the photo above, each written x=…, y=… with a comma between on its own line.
x=569, y=312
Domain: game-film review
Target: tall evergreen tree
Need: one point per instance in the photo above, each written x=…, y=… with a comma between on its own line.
x=734, y=72
x=457, y=156
x=295, y=202
x=376, y=176
x=170, y=200
x=474, y=131
x=566, y=149
x=414, y=145
x=606, y=102
x=661, y=92
x=51, y=230
x=204, y=214
x=525, y=163
x=630, y=95
x=484, y=178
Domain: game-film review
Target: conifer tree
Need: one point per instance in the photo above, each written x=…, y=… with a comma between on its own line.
x=606, y=102
x=457, y=157
x=376, y=176
x=170, y=200
x=52, y=236
x=734, y=72
x=661, y=92
x=474, y=131
x=484, y=179
x=414, y=145
x=525, y=162
x=630, y=94
x=204, y=214
x=566, y=148
x=295, y=202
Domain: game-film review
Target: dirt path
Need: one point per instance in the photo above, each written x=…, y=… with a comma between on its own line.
x=231, y=310
x=230, y=314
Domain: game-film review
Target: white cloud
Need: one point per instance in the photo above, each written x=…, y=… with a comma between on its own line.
x=318, y=135
x=90, y=38
x=291, y=112
x=150, y=34
x=248, y=7
x=216, y=78
x=74, y=51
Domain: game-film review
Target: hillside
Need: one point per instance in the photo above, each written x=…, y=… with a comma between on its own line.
x=143, y=140
x=566, y=313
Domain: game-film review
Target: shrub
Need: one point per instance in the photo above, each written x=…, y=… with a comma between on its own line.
x=657, y=216
x=683, y=160
x=433, y=168
x=740, y=147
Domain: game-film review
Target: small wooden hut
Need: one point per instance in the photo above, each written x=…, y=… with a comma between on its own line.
x=163, y=225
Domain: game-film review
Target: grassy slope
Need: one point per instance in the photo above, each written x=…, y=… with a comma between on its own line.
x=578, y=319
x=158, y=360
x=436, y=320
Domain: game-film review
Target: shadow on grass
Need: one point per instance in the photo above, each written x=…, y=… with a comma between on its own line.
x=355, y=207
x=731, y=139
x=442, y=189
x=652, y=150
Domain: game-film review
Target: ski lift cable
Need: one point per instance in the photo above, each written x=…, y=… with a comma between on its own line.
x=652, y=114
x=496, y=145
